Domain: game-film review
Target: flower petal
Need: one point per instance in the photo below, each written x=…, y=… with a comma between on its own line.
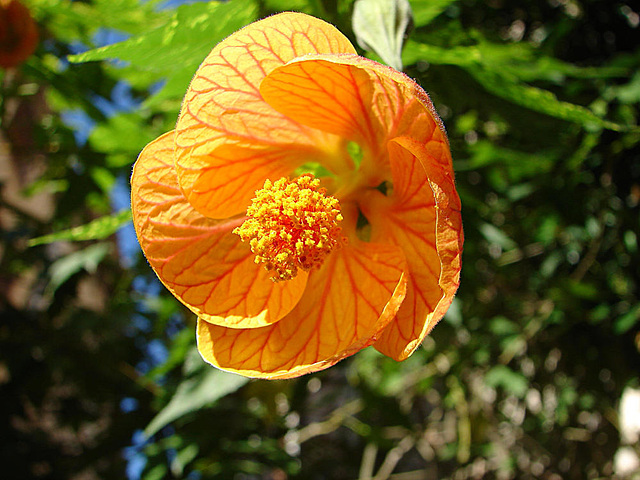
x=326, y=326
x=223, y=106
x=354, y=98
x=424, y=220
x=198, y=259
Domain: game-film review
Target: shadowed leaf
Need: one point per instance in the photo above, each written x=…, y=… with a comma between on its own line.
x=195, y=393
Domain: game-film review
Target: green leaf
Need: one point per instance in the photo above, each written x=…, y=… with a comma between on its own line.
x=158, y=472
x=196, y=392
x=380, y=26
x=518, y=60
x=512, y=382
x=95, y=230
x=627, y=321
x=630, y=241
x=424, y=11
x=310, y=7
x=69, y=20
x=176, y=49
x=629, y=93
x=355, y=152
x=539, y=100
x=174, y=88
x=519, y=164
x=121, y=133
x=496, y=236
x=459, y=56
x=87, y=259
x=493, y=67
x=181, y=345
x=502, y=326
x=103, y=178
x=183, y=458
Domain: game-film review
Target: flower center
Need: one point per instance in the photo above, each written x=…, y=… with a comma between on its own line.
x=292, y=224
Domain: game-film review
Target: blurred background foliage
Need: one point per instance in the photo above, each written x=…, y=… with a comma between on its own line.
x=522, y=379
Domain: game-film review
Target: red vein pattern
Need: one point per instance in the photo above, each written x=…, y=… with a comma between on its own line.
x=314, y=336
x=223, y=113
x=198, y=259
x=283, y=92
x=424, y=220
x=354, y=98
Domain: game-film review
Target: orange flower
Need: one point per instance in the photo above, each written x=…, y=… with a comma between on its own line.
x=18, y=33
x=335, y=170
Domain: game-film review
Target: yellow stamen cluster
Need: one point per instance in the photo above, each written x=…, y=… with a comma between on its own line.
x=292, y=224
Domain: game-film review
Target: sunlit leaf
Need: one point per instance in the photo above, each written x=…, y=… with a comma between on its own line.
x=97, y=229
x=69, y=20
x=311, y=7
x=457, y=55
x=380, y=26
x=424, y=11
x=120, y=133
x=175, y=49
x=629, y=93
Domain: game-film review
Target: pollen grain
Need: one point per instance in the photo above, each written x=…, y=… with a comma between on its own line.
x=291, y=225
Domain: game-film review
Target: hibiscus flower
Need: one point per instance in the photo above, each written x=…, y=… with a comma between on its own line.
x=304, y=207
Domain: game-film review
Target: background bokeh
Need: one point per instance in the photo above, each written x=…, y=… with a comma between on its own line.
x=533, y=373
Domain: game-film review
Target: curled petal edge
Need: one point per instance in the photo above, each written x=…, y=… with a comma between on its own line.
x=449, y=237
